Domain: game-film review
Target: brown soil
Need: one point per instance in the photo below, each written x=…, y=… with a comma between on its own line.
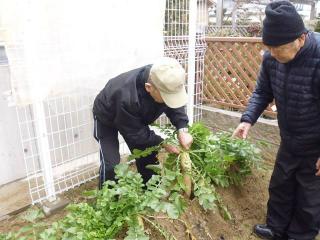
x=246, y=203
x=15, y=222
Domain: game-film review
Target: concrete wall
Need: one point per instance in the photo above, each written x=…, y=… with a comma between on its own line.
x=265, y=131
x=11, y=156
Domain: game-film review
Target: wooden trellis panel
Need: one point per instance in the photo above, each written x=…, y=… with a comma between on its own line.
x=231, y=69
x=241, y=30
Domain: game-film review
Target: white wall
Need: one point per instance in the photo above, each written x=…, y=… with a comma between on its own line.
x=12, y=165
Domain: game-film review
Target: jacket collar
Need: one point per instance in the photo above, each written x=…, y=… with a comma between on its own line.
x=142, y=78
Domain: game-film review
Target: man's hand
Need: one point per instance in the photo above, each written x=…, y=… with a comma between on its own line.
x=185, y=139
x=171, y=148
x=318, y=167
x=242, y=130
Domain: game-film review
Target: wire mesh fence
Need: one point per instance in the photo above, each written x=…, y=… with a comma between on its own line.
x=176, y=40
x=68, y=153
x=56, y=133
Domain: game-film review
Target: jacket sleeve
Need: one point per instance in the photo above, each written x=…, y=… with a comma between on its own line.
x=134, y=131
x=261, y=96
x=177, y=117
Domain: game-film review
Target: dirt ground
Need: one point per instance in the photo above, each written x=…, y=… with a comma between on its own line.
x=15, y=222
x=246, y=203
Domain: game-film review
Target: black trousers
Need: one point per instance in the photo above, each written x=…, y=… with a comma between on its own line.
x=294, y=192
x=107, y=138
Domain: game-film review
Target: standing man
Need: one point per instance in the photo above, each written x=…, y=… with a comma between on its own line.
x=290, y=75
x=132, y=101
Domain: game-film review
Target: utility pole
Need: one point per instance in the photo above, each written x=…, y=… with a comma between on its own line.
x=219, y=13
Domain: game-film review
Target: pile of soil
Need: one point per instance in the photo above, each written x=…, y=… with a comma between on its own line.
x=246, y=203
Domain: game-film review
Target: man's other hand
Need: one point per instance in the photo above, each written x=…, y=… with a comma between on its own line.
x=242, y=130
x=171, y=148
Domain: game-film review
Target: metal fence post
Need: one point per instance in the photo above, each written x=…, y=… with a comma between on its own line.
x=191, y=57
x=44, y=152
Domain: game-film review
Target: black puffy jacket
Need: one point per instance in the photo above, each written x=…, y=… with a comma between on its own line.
x=125, y=104
x=295, y=87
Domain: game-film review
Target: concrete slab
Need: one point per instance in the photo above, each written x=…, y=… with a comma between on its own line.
x=50, y=208
x=14, y=197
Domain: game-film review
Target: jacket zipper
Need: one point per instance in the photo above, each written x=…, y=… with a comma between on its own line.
x=287, y=66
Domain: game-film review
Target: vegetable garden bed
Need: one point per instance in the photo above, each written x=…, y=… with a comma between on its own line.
x=246, y=205
x=229, y=196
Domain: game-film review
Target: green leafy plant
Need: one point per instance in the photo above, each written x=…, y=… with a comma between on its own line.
x=225, y=160
x=119, y=205
x=216, y=159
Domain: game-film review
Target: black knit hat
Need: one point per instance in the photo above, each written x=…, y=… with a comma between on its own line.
x=282, y=24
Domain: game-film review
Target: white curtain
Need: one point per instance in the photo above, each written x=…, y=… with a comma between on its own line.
x=60, y=46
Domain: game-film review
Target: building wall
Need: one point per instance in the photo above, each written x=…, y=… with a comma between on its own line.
x=11, y=157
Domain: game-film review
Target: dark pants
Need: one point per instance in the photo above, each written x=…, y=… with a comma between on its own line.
x=294, y=192
x=109, y=154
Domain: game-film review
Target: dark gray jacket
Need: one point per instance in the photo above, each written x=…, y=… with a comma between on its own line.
x=295, y=87
x=125, y=104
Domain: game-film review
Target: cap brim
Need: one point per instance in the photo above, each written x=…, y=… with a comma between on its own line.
x=175, y=100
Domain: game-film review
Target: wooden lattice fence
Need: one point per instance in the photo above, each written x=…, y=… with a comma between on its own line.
x=227, y=29
x=231, y=69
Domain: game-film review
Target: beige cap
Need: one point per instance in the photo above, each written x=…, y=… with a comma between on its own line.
x=168, y=76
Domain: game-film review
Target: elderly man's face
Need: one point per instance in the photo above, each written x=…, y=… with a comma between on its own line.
x=154, y=92
x=287, y=52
